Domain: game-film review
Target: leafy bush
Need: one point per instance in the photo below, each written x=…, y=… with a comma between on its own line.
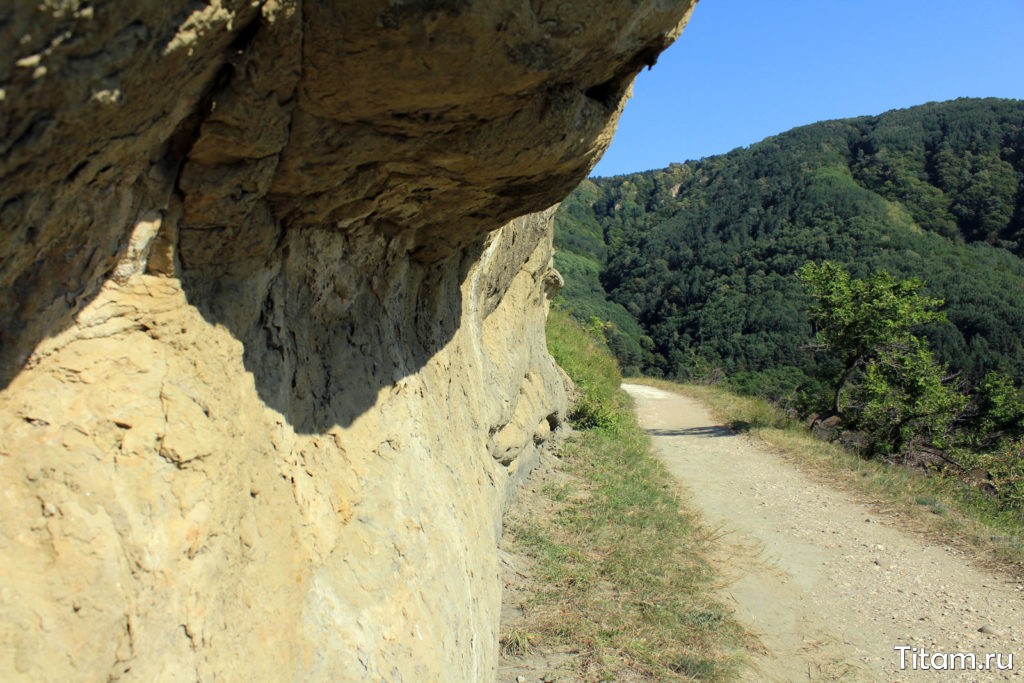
x=903, y=401
x=1003, y=473
x=997, y=411
x=587, y=413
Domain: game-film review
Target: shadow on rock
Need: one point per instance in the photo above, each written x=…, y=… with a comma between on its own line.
x=335, y=319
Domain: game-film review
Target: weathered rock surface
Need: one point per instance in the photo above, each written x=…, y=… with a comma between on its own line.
x=270, y=362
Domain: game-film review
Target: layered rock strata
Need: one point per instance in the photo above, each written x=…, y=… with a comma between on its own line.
x=271, y=339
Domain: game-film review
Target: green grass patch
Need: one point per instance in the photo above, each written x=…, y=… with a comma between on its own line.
x=621, y=571
x=944, y=507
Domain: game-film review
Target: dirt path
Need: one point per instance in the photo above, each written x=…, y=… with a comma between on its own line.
x=830, y=587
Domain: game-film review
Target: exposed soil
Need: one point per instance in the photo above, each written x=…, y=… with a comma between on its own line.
x=830, y=586
x=538, y=664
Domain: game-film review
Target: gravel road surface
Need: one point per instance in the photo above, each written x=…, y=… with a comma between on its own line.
x=829, y=586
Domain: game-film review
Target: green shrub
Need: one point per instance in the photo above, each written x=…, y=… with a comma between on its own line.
x=1003, y=473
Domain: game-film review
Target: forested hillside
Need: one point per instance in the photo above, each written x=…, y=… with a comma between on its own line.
x=692, y=269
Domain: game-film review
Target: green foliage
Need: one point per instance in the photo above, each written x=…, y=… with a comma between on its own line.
x=855, y=317
x=515, y=643
x=703, y=255
x=997, y=414
x=903, y=402
x=785, y=386
x=583, y=354
x=860, y=319
x=588, y=414
x=579, y=257
x=1003, y=473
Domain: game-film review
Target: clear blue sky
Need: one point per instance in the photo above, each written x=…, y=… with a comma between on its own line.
x=747, y=69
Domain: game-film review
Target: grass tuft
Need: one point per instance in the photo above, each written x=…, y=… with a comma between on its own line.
x=516, y=643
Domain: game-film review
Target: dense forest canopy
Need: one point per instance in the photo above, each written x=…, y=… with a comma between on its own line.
x=692, y=269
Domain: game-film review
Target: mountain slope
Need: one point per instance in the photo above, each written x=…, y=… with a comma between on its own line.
x=703, y=254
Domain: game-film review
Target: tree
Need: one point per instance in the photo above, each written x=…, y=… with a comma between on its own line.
x=861, y=319
x=904, y=400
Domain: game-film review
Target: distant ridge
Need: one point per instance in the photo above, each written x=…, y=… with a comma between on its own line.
x=694, y=264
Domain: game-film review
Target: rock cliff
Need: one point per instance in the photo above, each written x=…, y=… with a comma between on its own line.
x=274, y=280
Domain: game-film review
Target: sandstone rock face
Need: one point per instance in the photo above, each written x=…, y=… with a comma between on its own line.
x=271, y=337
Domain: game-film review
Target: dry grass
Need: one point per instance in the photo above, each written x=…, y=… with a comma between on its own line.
x=621, y=569
x=620, y=575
